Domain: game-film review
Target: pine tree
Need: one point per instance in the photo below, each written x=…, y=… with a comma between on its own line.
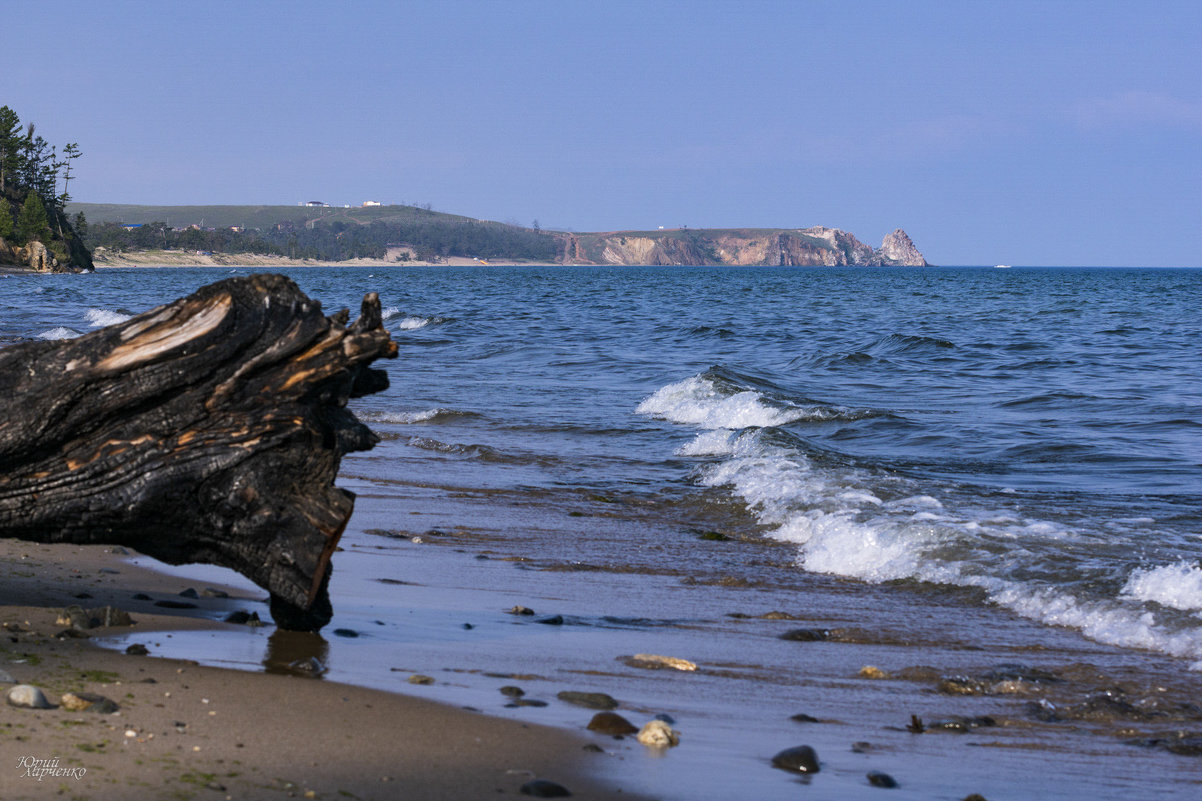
x=32, y=222
x=6, y=220
x=11, y=145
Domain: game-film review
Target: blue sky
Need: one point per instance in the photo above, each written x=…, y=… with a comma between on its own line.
x=993, y=132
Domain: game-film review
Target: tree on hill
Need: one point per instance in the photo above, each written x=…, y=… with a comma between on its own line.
x=32, y=222
x=6, y=219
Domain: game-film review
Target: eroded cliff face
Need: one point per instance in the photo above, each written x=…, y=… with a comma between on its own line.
x=898, y=249
x=817, y=246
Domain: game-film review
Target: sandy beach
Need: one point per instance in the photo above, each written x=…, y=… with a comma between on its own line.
x=186, y=258
x=184, y=730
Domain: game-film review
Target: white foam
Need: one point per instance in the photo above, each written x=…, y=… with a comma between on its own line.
x=58, y=333
x=413, y=323
x=850, y=522
x=99, y=318
x=697, y=401
x=390, y=312
x=406, y=418
x=1178, y=586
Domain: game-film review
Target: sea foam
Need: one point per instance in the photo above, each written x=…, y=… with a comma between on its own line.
x=99, y=318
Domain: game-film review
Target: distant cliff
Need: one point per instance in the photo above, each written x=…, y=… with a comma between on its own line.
x=802, y=247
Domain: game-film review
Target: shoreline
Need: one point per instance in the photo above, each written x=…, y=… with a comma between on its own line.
x=183, y=728
x=180, y=258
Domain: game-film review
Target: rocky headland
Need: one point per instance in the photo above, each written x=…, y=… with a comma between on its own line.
x=817, y=246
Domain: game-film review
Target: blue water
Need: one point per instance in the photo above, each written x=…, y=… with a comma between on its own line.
x=1032, y=434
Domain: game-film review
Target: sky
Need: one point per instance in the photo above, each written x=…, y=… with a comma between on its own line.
x=1025, y=133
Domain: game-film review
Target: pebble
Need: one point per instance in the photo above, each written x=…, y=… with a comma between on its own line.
x=213, y=592
x=658, y=734
x=418, y=678
x=512, y=691
x=554, y=620
x=806, y=635
x=800, y=759
x=526, y=702
x=802, y=717
x=6, y=677
x=346, y=633
x=521, y=610
x=873, y=672
x=611, y=723
x=878, y=779
x=189, y=593
x=141, y=596
x=657, y=662
x=588, y=700
x=88, y=702
x=28, y=697
x=542, y=788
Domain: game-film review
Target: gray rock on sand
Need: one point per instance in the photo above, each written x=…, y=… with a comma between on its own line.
x=88, y=702
x=588, y=700
x=799, y=759
x=6, y=677
x=27, y=696
x=611, y=723
x=658, y=662
x=883, y=780
x=542, y=788
x=659, y=734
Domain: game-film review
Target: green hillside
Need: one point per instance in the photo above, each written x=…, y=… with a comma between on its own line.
x=253, y=216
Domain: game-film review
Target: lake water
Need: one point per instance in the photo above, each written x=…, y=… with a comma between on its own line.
x=1022, y=442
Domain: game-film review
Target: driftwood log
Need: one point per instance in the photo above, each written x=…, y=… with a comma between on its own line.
x=206, y=430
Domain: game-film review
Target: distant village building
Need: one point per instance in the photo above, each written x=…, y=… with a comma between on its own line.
x=367, y=203
x=315, y=203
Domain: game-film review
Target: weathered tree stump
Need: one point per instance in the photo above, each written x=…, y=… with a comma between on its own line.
x=207, y=430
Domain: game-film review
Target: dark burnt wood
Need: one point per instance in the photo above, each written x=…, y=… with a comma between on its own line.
x=207, y=430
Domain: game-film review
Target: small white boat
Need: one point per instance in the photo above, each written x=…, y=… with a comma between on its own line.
x=1001, y=266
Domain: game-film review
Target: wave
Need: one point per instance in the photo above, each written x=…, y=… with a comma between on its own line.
x=875, y=525
x=99, y=318
x=712, y=400
x=62, y=332
x=408, y=418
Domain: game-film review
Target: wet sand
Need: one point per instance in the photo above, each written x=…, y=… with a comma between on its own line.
x=184, y=730
x=428, y=576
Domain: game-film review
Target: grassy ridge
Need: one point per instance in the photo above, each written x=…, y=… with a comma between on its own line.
x=253, y=216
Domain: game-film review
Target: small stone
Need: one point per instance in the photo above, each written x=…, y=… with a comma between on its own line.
x=542, y=788
x=169, y=604
x=526, y=702
x=417, y=678
x=521, y=610
x=512, y=691
x=28, y=697
x=88, y=702
x=873, y=672
x=878, y=779
x=801, y=759
x=658, y=662
x=110, y=616
x=6, y=677
x=311, y=666
x=213, y=592
x=806, y=635
x=666, y=718
x=962, y=685
x=238, y=617
x=974, y=797
x=349, y=633
x=658, y=734
x=588, y=700
x=554, y=620
x=593, y=748
x=83, y=596
x=802, y=717
x=861, y=747
x=189, y=593
x=611, y=723
x=137, y=649
x=140, y=596
x=468, y=627
x=72, y=634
